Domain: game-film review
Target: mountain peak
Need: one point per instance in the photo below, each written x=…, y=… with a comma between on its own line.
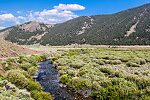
x=34, y=25
x=30, y=26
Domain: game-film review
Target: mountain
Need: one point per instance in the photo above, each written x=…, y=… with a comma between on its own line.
x=27, y=33
x=128, y=27
x=8, y=49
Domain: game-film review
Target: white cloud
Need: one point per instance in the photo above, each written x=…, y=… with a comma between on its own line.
x=69, y=7
x=53, y=16
x=7, y=17
x=1, y=27
x=58, y=14
x=20, y=20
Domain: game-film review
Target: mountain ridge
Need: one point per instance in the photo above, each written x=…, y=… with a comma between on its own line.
x=128, y=27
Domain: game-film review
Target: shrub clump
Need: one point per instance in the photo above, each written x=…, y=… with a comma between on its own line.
x=9, y=91
x=100, y=61
x=106, y=70
x=34, y=86
x=77, y=64
x=141, y=61
x=132, y=64
x=32, y=70
x=120, y=90
x=25, y=66
x=115, y=62
x=39, y=95
x=18, y=78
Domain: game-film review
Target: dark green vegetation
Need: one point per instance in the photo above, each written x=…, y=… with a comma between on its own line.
x=19, y=71
x=106, y=74
x=100, y=29
x=34, y=29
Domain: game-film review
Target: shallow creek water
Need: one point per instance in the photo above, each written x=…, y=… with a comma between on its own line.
x=48, y=77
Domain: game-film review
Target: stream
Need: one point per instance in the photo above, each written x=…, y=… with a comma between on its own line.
x=48, y=77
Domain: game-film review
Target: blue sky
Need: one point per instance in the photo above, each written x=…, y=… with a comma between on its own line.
x=57, y=11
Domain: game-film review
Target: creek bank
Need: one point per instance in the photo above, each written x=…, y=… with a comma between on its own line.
x=48, y=77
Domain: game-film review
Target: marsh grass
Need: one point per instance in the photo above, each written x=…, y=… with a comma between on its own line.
x=20, y=71
x=108, y=74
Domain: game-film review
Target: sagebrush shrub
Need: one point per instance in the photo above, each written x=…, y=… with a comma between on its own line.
x=17, y=77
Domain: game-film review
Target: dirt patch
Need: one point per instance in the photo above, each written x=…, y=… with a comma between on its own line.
x=8, y=49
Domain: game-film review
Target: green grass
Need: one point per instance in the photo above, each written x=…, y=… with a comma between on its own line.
x=106, y=74
x=19, y=71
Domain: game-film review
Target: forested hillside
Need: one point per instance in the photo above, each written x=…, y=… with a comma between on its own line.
x=128, y=27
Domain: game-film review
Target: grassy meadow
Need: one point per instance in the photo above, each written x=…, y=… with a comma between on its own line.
x=106, y=73
x=99, y=73
x=16, y=79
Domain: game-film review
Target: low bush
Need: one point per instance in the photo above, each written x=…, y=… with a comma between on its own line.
x=9, y=91
x=22, y=59
x=147, y=59
x=34, y=59
x=62, y=62
x=141, y=82
x=77, y=64
x=71, y=72
x=39, y=95
x=100, y=61
x=106, y=57
x=8, y=66
x=80, y=83
x=106, y=70
x=32, y=85
x=119, y=74
x=25, y=66
x=1, y=78
x=115, y=62
x=119, y=90
x=145, y=97
x=65, y=78
x=43, y=57
x=131, y=64
x=148, y=90
x=140, y=61
x=124, y=59
x=32, y=71
x=17, y=77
